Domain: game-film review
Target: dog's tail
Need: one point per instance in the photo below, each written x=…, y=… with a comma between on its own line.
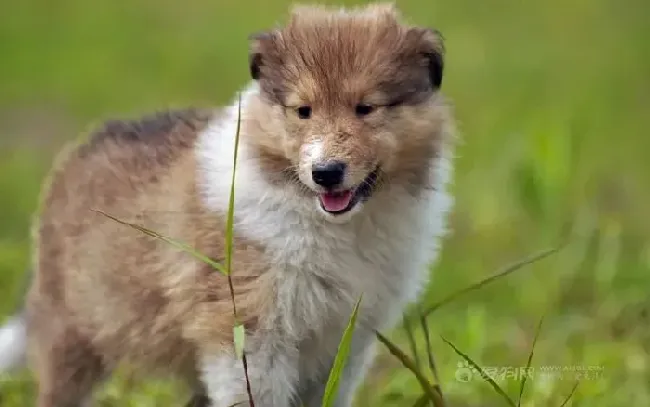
x=13, y=344
x=13, y=336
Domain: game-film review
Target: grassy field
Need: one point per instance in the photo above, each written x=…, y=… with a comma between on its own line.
x=553, y=101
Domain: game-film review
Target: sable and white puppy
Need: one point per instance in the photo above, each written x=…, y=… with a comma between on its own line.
x=344, y=155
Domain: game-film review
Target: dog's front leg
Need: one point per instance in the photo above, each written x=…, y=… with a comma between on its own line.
x=362, y=352
x=272, y=373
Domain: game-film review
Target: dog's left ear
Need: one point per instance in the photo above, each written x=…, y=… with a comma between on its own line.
x=258, y=52
x=429, y=44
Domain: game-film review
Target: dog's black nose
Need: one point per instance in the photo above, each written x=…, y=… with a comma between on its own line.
x=328, y=174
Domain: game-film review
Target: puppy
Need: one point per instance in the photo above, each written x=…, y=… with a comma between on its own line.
x=344, y=155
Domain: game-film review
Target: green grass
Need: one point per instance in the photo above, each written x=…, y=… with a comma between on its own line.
x=552, y=99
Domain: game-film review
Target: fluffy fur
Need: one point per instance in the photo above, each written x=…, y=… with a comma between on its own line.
x=104, y=293
x=12, y=343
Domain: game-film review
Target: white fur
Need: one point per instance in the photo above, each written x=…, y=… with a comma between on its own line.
x=382, y=251
x=272, y=374
x=314, y=151
x=310, y=154
x=12, y=344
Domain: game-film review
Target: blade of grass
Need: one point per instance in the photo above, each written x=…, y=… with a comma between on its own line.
x=530, y=359
x=239, y=334
x=179, y=245
x=423, y=400
x=331, y=388
x=568, y=397
x=231, y=216
x=249, y=389
x=430, y=359
x=231, y=202
x=485, y=377
x=411, y=338
x=506, y=271
x=432, y=394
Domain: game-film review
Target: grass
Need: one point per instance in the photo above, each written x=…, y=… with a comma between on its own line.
x=552, y=100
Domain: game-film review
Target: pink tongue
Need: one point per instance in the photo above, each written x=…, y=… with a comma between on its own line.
x=335, y=202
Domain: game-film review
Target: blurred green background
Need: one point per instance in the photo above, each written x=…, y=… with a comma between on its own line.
x=553, y=101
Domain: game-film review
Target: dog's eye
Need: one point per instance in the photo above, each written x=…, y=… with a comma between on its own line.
x=304, y=112
x=363, y=109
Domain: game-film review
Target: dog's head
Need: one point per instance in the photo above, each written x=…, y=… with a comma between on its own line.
x=355, y=93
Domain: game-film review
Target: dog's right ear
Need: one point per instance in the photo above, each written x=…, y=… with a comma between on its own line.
x=429, y=43
x=259, y=44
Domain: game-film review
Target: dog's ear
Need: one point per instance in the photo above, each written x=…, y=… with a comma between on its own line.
x=260, y=43
x=428, y=43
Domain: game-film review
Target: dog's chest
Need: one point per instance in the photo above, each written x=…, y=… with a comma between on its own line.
x=323, y=268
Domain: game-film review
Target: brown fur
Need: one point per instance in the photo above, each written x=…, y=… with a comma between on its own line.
x=104, y=292
x=151, y=310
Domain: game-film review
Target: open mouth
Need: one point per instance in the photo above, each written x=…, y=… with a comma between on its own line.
x=339, y=202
